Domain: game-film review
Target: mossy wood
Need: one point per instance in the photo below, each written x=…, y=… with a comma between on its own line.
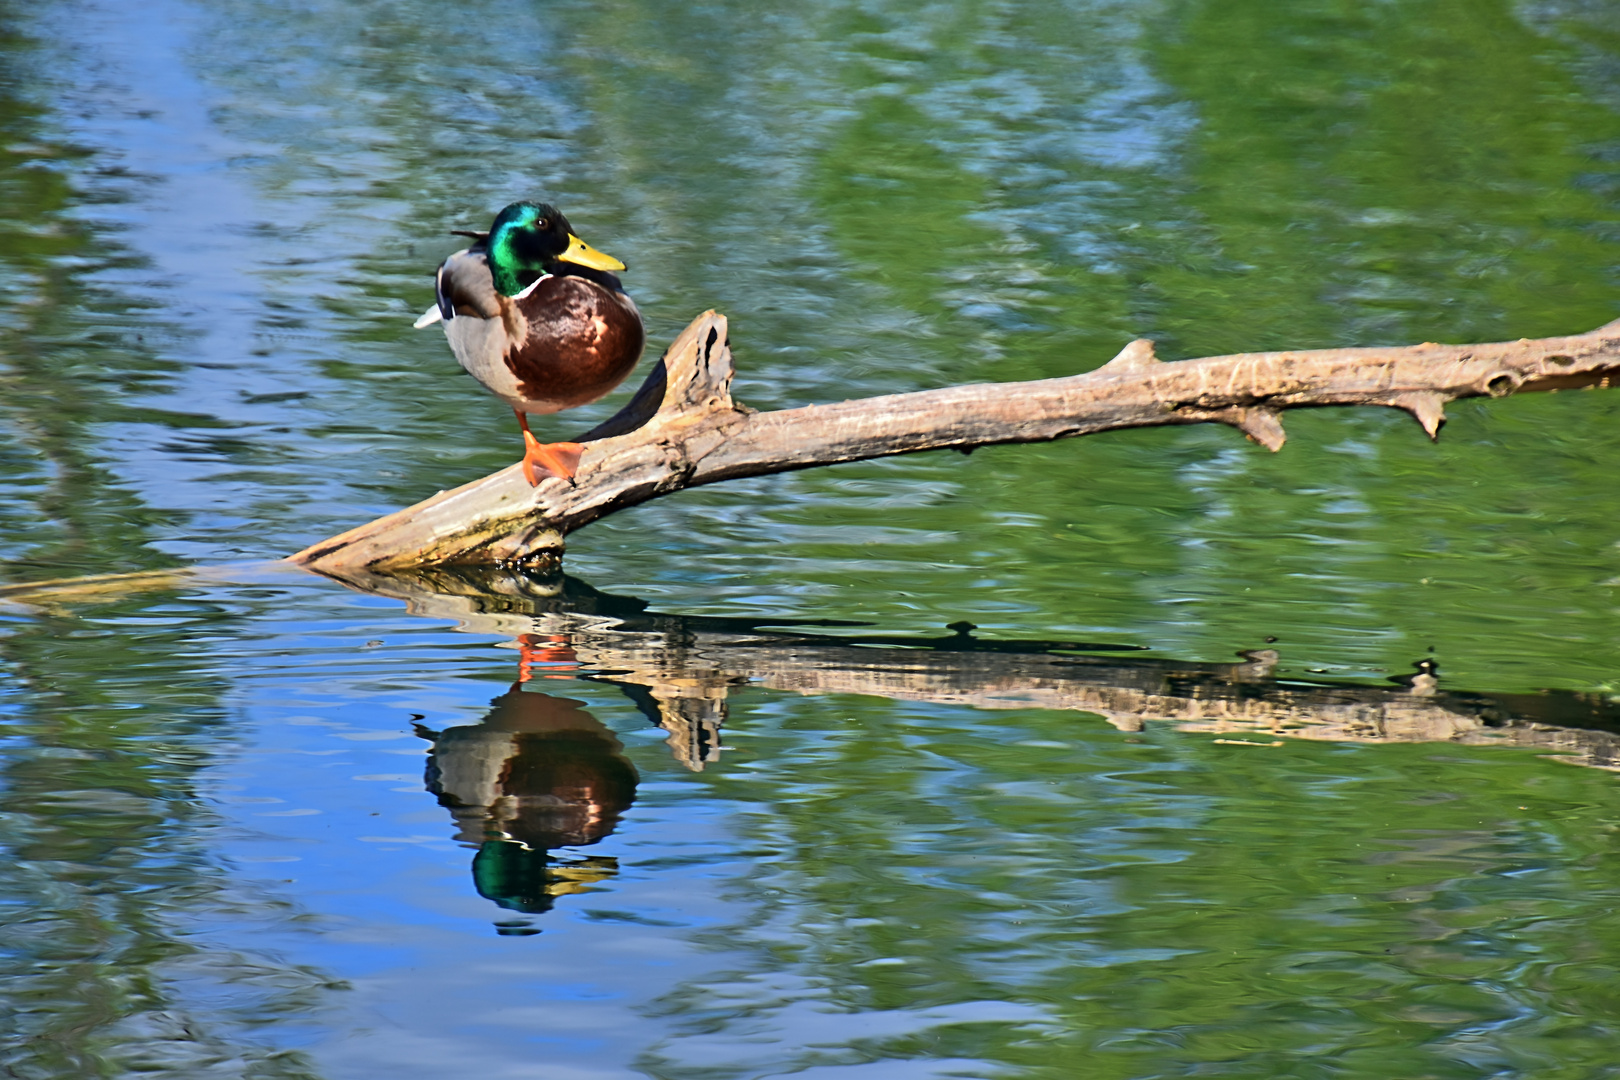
x=682, y=429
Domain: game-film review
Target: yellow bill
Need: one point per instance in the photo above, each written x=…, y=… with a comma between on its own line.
x=582, y=253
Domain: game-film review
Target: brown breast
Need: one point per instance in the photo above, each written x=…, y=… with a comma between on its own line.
x=582, y=340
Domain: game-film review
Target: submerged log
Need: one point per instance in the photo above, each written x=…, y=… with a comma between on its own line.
x=682, y=429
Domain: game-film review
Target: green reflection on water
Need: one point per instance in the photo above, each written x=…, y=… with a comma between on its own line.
x=1366, y=173
x=1170, y=904
x=115, y=959
x=105, y=723
x=66, y=360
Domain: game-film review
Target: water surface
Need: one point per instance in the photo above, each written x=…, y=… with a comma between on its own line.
x=242, y=811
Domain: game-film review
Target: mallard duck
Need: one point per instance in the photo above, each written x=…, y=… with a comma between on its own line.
x=537, y=315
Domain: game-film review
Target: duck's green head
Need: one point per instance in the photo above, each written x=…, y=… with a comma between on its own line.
x=533, y=237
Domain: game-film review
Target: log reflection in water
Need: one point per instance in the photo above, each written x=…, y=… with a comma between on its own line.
x=681, y=670
x=537, y=773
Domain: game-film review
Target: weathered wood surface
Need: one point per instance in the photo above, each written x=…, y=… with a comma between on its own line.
x=682, y=429
x=682, y=670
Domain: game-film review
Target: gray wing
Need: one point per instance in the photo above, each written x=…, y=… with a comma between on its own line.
x=465, y=287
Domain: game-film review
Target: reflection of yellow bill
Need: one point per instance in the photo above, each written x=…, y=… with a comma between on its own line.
x=568, y=878
x=582, y=253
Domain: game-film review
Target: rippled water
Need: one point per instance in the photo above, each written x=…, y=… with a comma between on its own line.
x=731, y=800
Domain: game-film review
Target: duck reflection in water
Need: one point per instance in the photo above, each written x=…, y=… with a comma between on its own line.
x=538, y=773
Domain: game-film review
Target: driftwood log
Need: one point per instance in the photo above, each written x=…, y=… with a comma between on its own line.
x=682, y=429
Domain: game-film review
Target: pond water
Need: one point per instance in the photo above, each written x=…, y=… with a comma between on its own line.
x=742, y=796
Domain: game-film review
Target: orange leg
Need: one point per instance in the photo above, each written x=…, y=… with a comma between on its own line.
x=558, y=458
x=554, y=653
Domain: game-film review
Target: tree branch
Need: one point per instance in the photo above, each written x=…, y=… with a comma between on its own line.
x=682, y=429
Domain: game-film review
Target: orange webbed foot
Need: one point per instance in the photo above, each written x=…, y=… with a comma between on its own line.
x=556, y=459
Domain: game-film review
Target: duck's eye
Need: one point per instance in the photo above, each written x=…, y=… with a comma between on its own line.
x=542, y=224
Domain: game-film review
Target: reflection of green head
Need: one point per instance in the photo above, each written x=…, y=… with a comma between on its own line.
x=512, y=876
x=519, y=878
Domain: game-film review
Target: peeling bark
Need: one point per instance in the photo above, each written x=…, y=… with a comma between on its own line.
x=682, y=429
